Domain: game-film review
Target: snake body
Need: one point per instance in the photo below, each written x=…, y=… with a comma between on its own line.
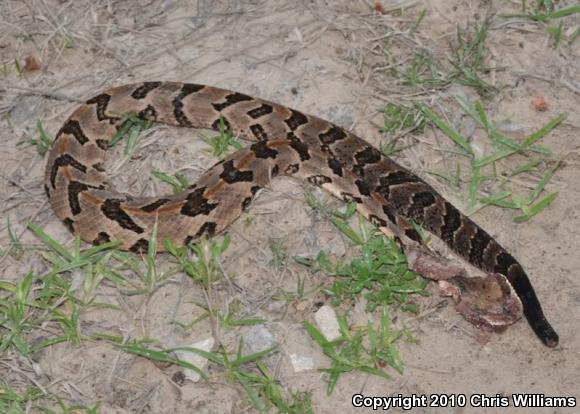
x=285, y=142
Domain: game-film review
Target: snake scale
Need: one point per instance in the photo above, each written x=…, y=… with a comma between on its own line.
x=284, y=142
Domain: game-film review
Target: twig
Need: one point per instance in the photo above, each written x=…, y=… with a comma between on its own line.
x=46, y=93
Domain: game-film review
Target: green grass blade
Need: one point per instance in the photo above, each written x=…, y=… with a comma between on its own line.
x=160, y=356
x=50, y=242
x=319, y=338
x=473, y=185
x=494, y=157
x=542, y=183
x=210, y=356
x=250, y=390
x=347, y=231
x=254, y=357
x=545, y=130
x=447, y=129
x=565, y=11
x=529, y=212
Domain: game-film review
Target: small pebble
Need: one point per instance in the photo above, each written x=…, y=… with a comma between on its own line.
x=539, y=103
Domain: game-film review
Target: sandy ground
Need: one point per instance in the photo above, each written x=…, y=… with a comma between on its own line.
x=325, y=58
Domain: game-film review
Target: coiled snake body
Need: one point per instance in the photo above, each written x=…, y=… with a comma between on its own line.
x=286, y=142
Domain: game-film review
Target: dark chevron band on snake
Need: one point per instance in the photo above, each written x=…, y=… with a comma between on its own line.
x=287, y=142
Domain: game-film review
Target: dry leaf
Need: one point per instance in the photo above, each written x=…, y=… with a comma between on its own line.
x=31, y=64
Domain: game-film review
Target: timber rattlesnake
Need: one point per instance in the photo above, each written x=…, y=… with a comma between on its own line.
x=286, y=142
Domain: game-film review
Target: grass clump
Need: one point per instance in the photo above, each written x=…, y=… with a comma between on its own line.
x=490, y=168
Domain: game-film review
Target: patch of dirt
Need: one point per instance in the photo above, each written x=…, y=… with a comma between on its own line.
x=333, y=59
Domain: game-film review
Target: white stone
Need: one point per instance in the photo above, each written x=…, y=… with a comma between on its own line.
x=301, y=363
x=258, y=339
x=327, y=322
x=195, y=359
